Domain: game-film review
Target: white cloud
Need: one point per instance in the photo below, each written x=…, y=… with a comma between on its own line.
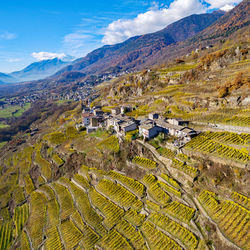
x=158, y=18
x=75, y=40
x=227, y=7
x=80, y=42
x=221, y=4
x=47, y=55
x=12, y=60
x=7, y=36
x=151, y=21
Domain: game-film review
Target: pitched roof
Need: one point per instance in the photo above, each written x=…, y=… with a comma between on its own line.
x=188, y=130
x=147, y=124
x=167, y=125
x=87, y=115
x=127, y=123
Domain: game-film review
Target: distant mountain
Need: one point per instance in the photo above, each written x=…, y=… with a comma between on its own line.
x=232, y=21
x=35, y=71
x=2, y=83
x=226, y=27
x=140, y=52
x=39, y=70
x=136, y=50
x=6, y=78
x=135, y=53
x=177, y=39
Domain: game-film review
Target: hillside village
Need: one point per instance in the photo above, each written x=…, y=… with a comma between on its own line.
x=148, y=127
x=148, y=159
x=118, y=180
x=135, y=165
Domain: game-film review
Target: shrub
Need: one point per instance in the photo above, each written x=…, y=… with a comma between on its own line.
x=56, y=138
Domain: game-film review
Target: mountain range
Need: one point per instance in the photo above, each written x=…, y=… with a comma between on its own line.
x=35, y=71
x=145, y=51
x=134, y=52
x=177, y=39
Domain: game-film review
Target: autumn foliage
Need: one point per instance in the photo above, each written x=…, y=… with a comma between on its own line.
x=239, y=81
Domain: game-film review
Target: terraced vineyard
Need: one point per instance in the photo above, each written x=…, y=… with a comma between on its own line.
x=144, y=162
x=43, y=164
x=76, y=213
x=119, y=194
x=106, y=209
x=216, y=144
x=228, y=137
x=175, y=229
x=179, y=211
x=64, y=188
x=170, y=180
x=233, y=118
x=168, y=153
x=193, y=172
x=231, y=218
x=133, y=185
x=241, y=199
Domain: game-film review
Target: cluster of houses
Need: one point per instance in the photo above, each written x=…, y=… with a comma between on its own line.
x=148, y=127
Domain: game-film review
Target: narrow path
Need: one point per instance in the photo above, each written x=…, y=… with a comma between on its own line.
x=221, y=127
x=183, y=246
x=221, y=235
x=185, y=198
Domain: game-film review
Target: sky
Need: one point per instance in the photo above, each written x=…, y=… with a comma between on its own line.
x=34, y=30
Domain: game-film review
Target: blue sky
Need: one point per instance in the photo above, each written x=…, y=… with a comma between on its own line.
x=76, y=27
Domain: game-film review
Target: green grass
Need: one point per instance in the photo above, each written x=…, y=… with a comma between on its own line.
x=15, y=111
x=182, y=67
x=99, y=133
x=62, y=101
x=7, y=112
x=132, y=135
x=154, y=143
x=55, y=138
x=2, y=125
x=22, y=110
x=2, y=143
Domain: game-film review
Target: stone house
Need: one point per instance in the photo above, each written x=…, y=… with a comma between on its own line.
x=79, y=125
x=149, y=129
x=97, y=107
x=128, y=125
x=115, y=111
x=94, y=121
x=178, y=122
x=109, y=122
x=86, y=118
x=187, y=133
x=125, y=109
x=91, y=129
x=98, y=112
x=153, y=116
x=86, y=110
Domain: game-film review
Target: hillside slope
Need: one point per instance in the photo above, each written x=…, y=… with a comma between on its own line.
x=138, y=49
x=146, y=51
x=157, y=48
x=66, y=189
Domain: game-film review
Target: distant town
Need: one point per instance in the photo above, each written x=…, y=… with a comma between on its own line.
x=79, y=92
